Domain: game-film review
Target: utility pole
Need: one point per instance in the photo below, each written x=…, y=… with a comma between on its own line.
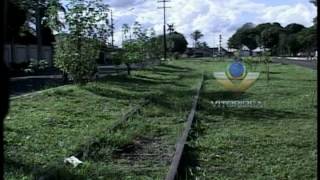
x=164, y=7
x=112, y=29
x=213, y=47
x=220, y=48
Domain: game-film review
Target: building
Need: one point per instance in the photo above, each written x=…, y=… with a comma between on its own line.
x=206, y=52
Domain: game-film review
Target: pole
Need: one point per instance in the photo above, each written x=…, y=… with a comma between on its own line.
x=164, y=7
x=112, y=30
x=220, y=48
x=213, y=47
x=164, y=31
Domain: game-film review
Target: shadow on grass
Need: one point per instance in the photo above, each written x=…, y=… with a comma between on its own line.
x=290, y=79
x=176, y=67
x=53, y=172
x=112, y=93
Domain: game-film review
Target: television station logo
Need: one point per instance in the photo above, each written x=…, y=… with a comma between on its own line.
x=236, y=78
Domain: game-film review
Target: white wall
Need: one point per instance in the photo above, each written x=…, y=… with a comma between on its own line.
x=24, y=53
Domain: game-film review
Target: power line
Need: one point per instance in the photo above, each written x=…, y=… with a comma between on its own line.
x=164, y=7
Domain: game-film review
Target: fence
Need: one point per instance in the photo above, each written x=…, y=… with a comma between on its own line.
x=24, y=53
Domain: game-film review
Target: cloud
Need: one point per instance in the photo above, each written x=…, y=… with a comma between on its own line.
x=123, y=3
x=212, y=17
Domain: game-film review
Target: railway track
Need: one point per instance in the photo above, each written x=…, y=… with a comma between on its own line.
x=179, y=146
x=173, y=171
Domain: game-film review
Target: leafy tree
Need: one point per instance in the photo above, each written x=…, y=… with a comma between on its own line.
x=125, y=31
x=294, y=44
x=294, y=28
x=235, y=41
x=140, y=48
x=315, y=2
x=15, y=20
x=177, y=42
x=308, y=39
x=77, y=63
x=202, y=45
x=40, y=13
x=270, y=38
x=132, y=53
x=249, y=39
x=77, y=51
x=196, y=35
x=246, y=35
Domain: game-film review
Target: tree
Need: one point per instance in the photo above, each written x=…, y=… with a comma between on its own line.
x=196, y=35
x=249, y=39
x=78, y=64
x=294, y=28
x=171, y=28
x=125, y=31
x=294, y=44
x=177, y=42
x=270, y=38
x=315, y=2
x=77, y=51
x=15, y=20
x=132, y=53
x=308, y=39
x=138, y=49
x=40, y=13
x=246, y=35
x=235, y=41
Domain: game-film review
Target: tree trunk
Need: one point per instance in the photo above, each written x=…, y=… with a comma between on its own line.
x=39, y=34
x=268, y=73
x=12, y=50
x=65, y=77
x=128, y=69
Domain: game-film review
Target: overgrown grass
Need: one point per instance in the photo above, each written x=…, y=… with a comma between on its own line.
x=42, y=130
x=275, y=142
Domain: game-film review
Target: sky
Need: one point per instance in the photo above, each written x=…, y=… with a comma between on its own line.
x=211, y=17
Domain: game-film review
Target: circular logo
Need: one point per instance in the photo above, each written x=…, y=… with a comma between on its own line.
x=236, y=70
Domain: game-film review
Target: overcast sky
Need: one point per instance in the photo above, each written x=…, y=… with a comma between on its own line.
x=211, y=17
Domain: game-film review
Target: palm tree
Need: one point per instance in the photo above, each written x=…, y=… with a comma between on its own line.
x=171, y=28
x=196, y=35
x=125, y=31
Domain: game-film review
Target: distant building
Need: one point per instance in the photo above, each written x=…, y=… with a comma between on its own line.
x=256, y=52
x=244, y=51
x=206, y=52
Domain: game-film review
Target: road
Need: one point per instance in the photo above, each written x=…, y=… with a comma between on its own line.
x=311, y=64
x=26, y=84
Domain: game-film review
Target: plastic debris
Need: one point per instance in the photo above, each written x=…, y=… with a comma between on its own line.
x=73, y=160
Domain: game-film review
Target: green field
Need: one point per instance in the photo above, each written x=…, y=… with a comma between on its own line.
x=275, y=142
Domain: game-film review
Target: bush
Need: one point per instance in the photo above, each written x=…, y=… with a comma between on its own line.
x=117, y=58
x=77, y=58
x=19, y=66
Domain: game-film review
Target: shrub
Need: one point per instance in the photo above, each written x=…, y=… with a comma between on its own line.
x=77, y=58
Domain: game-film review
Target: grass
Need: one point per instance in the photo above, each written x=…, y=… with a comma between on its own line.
x=275, y=142
x=41, y=130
